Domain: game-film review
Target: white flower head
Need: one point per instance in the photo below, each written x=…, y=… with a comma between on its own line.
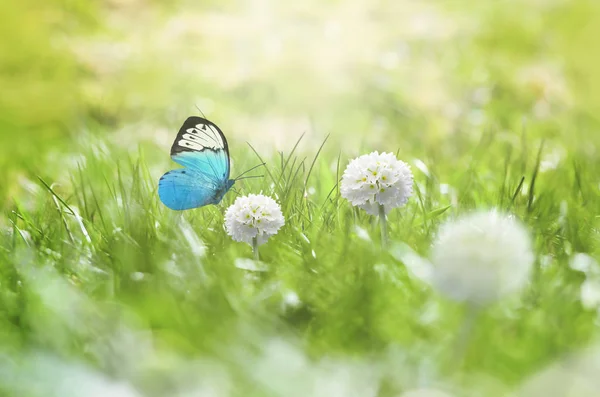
x=374, y=179
x=252, y=216
x=481, y=257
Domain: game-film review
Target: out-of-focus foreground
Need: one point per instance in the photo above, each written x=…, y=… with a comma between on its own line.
x=105, y=291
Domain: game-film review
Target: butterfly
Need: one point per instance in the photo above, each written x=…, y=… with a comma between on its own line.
x=201, y=148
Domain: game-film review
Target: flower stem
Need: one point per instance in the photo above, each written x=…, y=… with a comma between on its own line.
x=464, y=335
x=383, y=224
x=255, y=247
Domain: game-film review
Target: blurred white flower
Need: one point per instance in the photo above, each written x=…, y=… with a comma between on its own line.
x=252, y=216
x=572, y=376
x=586, y=264
x=374, y=179
x=42, y=375
x=481, y=257
x=284, y=369
x=590, y=294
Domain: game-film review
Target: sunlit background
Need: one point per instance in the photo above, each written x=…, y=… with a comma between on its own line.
x=383, y=74
x=90, y=88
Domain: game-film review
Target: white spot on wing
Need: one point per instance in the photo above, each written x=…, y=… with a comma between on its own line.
x=200, y=137
x=190, y=145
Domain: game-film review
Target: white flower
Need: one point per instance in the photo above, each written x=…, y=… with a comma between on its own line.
x=252, y=216
x=481, y=257
x=374, y=179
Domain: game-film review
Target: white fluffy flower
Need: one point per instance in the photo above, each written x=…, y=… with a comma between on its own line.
x=374, y=179
x=252, y=216
x=481, y=257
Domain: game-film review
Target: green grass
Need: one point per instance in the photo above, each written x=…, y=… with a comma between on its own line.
x=100, y=283
x=96, y=254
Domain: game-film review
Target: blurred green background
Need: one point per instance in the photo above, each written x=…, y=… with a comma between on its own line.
x=403, y=72
x=493, y=103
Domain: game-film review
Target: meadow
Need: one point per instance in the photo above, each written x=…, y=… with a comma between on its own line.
x=106, y=292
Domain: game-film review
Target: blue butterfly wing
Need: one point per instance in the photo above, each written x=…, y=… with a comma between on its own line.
x=212, y=165
x=184, y=189
x=202, y=149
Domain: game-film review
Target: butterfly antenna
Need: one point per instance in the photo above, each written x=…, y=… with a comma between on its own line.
x=249, y=177
x=200, y=110
x=251, y=169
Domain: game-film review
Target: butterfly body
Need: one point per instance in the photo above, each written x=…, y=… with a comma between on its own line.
x=201, y=148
